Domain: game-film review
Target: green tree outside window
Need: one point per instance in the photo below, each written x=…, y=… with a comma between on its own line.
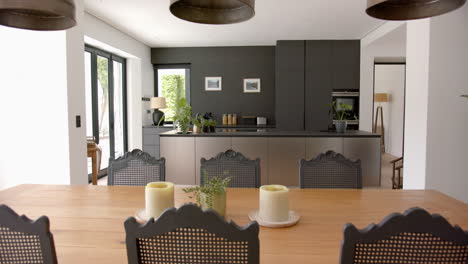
x=173, y=89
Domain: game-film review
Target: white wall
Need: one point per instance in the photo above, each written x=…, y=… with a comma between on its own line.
x=447, y=124
x=33, y=108
x=76, y=99
x=42, y=92
x=387, y=41
x=390, y=79
x=139, y=71
x=417, y=70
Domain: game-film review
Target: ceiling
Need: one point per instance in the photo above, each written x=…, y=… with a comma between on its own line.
x=150, y=22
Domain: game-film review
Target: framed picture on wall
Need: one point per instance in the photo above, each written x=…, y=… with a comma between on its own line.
x=213, y=83
x=251, y=85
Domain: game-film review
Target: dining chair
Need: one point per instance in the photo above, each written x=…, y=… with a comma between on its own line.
x=414, y=237
x=397, y=164
x=330, y=170
x=191, y=235
x=136, y=168
x=25, y=241
x=244, y=173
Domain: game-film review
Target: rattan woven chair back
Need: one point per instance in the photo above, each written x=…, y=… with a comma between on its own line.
x=414, y=237
x=23, y=241
x=330, y=170
x=136, y=168
x=244, y=173
x=190, y=235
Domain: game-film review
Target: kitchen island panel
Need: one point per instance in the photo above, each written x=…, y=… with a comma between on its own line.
x=368, y=151
x=180, y=159
x=284, y=155
x=209, y=147
x=316, y=146
x=254, y=148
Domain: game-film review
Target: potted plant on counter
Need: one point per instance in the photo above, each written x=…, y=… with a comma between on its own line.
x=197, y=124
x=212, y=125
x=205, y=123
x=183, y=116
x=340, y=116
x=212, y=195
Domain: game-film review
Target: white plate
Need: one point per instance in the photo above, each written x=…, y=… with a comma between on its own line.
x=293, y=219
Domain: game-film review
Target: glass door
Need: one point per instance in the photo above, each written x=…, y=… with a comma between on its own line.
x=106, y=102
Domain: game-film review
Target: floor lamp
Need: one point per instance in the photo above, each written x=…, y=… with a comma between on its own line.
x=380, y=98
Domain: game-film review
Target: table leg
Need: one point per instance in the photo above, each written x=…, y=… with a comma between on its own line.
x=95, y=167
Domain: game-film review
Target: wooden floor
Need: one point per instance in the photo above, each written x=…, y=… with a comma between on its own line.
x=386, y=172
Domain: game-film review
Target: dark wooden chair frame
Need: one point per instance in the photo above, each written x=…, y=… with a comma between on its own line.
x=136, y=154
x=191, y=216
x=231, y=155
x=39, y=227
x=397, y=182
x=414, y=220
x=330, y=155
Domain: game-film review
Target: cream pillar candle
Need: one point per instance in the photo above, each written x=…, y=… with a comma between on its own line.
x=274, y=203
x=158, y=197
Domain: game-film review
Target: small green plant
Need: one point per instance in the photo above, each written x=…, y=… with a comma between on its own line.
x=212, y=123
x=183, y=115
x=205, y=122
x=211, y=188
x=343, y=113
x=197, y=121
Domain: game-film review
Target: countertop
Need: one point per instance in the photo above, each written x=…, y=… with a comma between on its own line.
x=270, y=133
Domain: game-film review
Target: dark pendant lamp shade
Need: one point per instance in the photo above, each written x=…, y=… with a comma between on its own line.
x=213, y=11
x=38, y=14
x=410, y=9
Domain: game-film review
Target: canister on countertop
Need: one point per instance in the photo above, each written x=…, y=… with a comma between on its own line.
x=234, y=119
x=225, y=119
x=229, y=119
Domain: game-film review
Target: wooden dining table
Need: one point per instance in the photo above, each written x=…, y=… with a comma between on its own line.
x=87, y=221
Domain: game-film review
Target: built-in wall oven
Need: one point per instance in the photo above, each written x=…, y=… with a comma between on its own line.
x=348, y=101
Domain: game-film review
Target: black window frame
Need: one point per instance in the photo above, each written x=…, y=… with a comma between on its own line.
x=94, y=94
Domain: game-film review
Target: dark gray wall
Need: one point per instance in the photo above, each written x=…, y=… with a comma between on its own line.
x=233, y=64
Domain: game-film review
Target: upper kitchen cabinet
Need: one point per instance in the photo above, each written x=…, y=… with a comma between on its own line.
x=346, y=64
x=290, y=85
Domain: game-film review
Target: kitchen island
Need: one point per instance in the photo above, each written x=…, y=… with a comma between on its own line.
x=279, y=152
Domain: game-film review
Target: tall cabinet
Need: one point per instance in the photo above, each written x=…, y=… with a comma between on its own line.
x=289, y=96
x=307, y=72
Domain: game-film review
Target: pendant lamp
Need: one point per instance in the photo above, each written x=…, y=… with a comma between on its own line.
x=38, y=14
x=410, y=9
x=213, y=11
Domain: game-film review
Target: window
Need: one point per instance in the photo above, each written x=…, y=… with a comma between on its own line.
x=106, y=102
x=172, y=83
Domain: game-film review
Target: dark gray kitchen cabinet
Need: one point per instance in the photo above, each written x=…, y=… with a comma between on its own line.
x=289, y=96
x=307, y=72
x=151, y=139
x=346, y=60
x=318, y=84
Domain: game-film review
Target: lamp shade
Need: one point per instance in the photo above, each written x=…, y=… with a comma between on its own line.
x=213, y=11
x=38, y=14
x=381, y=97
x=410, y=9
x=158, y=103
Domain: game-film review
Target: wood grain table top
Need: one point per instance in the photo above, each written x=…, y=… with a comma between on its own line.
x=87, y=221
